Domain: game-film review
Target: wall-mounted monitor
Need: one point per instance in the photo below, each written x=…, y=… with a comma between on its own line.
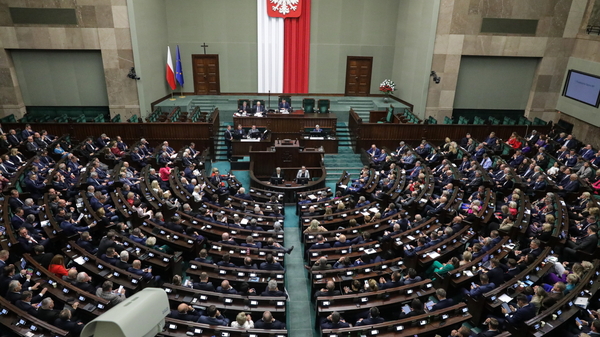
x=582, y=87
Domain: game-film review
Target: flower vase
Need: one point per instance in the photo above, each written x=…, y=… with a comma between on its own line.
x=386, y=98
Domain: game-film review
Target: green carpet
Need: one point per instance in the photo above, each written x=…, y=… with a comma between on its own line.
x=297, y=282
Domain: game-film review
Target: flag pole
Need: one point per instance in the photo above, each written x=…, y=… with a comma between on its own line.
x=181, y=93
x=172, y=98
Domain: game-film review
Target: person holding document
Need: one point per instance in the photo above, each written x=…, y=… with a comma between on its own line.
x=284, y=105
x=244, y=108
x=277, y=177
x=258, y=108
x=254, y=132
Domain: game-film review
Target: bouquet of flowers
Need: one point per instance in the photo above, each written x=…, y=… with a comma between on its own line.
x=387, y=87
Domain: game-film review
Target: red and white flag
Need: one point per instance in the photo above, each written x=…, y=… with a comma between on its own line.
x=170, y=72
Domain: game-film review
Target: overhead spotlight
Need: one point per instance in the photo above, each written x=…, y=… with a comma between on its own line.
x=436, y=78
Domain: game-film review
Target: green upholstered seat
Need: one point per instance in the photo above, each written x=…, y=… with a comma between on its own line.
x=308, y=104
x=324, y=105
x=242, y=100
x=448, y=120
x=262, y=102
x=287, y=98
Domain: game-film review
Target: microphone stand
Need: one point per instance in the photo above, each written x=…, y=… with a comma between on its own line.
x=269, y=108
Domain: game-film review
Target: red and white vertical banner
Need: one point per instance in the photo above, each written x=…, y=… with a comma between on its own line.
x=283, y=45
x=270, y=50
x=297, y=50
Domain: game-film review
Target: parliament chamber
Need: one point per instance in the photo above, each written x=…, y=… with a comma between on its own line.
x=299, y=168
x=443, y=228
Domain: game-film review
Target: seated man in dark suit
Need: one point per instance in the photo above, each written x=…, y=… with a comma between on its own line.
x=185, y=312
x=329, y=290
x=254, y=132
x=587, y=244
x=443, y=302
x=373, y=318
x=25, y=303
x=334, y=321
x=258, y=108
x=270, y=264
x=83, y=282
x=225, y=261
x=46, y=312
x=320, y=244
x=204, y=284
x=243, y=195
x=268, y=322
x=28, y=241
x=272, y=290
x=64, y=322
x=244, y=108
x=480, y=289
x=226, y=288
x=518, y=316
x=213, y=317
x=284, y=105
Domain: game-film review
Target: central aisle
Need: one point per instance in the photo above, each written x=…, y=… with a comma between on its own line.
x=300, y=313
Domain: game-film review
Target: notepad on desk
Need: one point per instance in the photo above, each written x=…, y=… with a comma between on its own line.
x=505, y=298
x=79, y=260
x=434, y=255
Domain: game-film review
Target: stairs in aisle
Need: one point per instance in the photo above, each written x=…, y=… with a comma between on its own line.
x=345, y=159
x=208, y=104
x=220, y=148
x=361, y=106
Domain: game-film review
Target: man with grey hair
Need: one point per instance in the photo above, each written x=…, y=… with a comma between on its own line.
x=123, y=262
x=83, y=282
x=46, y=312
x=273, y=290
x=276, y=227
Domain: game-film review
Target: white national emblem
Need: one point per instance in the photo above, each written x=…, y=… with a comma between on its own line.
x=284, y=6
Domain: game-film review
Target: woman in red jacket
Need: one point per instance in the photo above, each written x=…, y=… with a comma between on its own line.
x=115, y=149
x=57, y=266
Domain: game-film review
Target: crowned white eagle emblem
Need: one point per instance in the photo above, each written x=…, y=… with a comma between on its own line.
x=285, y=6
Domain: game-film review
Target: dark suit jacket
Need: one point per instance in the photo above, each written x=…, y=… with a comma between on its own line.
x=521, y=315
x=208, y=286
x=188, y=316
x=271, y=266
x=370, y=321
x=448, y=302
x=588, y=244
x=496, y=276
x=26, y=307
x=48, y=315
x=260, y=324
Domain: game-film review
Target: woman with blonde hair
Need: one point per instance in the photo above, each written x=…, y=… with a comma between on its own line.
x=467, y=256
x=372, y=285
x=328, y=210
x=243, y=321
x=315, y=227
x=539, y=294
x=341, y=207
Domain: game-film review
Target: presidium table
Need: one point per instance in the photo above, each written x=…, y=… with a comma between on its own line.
x=295, y=125
x=290, y=157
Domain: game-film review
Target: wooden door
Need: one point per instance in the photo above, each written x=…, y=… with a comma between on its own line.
x=358, y=75
x=206, y=74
